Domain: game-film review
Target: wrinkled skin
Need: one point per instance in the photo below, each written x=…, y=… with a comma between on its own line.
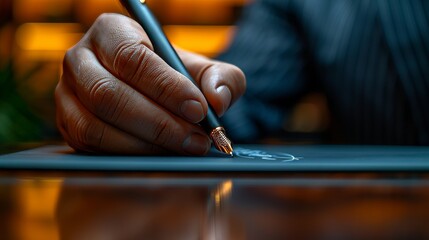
x=117, y=96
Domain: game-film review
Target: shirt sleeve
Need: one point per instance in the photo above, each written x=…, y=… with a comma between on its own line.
x=269, y=47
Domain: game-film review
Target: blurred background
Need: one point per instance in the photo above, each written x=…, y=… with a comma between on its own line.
x=34, y=35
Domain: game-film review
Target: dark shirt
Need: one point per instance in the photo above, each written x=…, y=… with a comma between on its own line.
x=369, y=57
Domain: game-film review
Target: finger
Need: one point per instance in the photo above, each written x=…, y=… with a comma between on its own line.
x=84, y=132
x=221, y=83
x=124, y=49
x=121, y=106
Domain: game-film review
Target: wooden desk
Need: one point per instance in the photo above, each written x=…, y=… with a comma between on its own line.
x=118, y=205
x=331, y=192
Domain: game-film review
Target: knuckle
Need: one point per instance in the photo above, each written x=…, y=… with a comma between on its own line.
x=165, y=87
x=88, y=133
x=107, y=99
x=131, y=60
x=161, y=133
x=67, y=60
x=103, y=20
x=76, y=65
x=68, y=56
x=103, y=89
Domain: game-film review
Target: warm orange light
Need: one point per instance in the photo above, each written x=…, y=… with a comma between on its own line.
x=37, y=201
x=223, y=191
x=39, y=10
x=207, y=40
x=48, y=36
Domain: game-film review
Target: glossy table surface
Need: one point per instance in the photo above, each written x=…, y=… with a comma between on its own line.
x=213, y=205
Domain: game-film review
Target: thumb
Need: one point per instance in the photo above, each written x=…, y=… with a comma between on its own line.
x=221, y=83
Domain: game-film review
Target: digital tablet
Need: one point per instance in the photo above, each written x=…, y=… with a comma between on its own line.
x=247, y=158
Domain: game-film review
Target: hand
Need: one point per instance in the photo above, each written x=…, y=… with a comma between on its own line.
x=140, y=211
x=117, y=96
x=132, y=212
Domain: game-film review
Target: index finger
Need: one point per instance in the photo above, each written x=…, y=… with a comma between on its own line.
x=124, y=49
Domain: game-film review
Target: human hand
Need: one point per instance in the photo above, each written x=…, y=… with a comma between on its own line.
x=117, y=96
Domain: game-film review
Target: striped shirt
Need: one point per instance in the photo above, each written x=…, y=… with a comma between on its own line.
x=369, y=57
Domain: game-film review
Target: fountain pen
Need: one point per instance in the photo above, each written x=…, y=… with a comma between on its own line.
x=162, y=47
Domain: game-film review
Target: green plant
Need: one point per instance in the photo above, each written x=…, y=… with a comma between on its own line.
x=17, y=122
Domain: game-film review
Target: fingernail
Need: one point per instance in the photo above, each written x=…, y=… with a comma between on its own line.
x=196, y=144
x=226, y=96
x=192, y=110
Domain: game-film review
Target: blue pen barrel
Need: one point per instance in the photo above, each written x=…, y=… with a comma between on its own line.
x=142, y=14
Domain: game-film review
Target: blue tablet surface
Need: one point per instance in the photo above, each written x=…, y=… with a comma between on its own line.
x=248, y=158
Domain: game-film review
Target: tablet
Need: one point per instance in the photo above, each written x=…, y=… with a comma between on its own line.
x=247, y=158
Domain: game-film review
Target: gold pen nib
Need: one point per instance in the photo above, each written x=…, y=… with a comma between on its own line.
x=221, y=142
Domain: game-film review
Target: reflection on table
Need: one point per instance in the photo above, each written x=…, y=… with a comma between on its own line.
x=315, y=207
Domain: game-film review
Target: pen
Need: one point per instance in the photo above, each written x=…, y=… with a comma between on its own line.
x=142, y=14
